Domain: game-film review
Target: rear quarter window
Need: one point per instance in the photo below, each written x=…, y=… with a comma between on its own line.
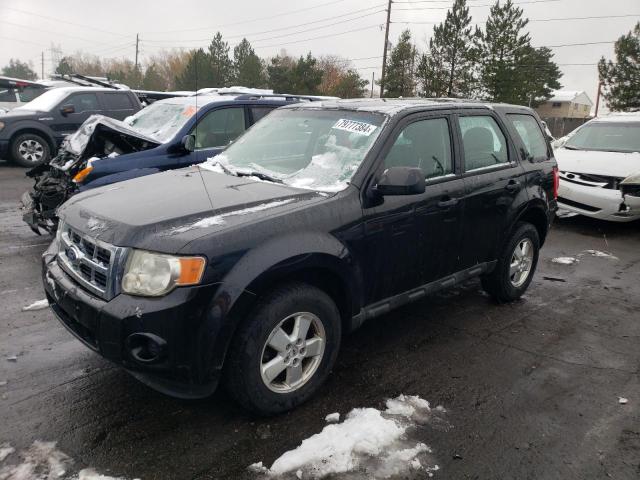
x=531, y=135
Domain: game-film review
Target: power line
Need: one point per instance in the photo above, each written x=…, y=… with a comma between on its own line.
x=470, y=6
x=50, y=32
x=537, y=19
x=377, y=25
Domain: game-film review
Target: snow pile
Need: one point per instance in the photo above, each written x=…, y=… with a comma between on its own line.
x=598, y=253
x=43, y=461
x=219, y=219
x=37, y=305
x=565, y=260
x=369, y=443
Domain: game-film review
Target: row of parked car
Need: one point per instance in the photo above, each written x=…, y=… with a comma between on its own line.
x=243, y=255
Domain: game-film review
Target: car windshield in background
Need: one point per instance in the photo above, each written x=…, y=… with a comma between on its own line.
x=45, y=102
x=607, y=137
x=306, y=148
x=162, y=120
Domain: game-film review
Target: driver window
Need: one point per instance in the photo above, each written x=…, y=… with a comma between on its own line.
x=83, y=102
x=219, y=127
x=425, y=144
x=483, y=141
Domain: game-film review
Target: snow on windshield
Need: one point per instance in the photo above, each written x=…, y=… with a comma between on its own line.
x=305, y=148
x=45, y=102
x=161, y=120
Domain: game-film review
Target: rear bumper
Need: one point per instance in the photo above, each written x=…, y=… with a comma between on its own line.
x=181, y=364
x=601, y=203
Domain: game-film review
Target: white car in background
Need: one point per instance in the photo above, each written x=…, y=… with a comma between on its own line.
x=599, y=165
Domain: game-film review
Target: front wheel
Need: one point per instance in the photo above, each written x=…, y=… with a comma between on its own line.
x=284, y=350
x=516, y=265
x=29, y=150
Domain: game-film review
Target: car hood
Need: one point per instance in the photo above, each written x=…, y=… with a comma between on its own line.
x=612, y=164
x=87, y=139
x=166, y=211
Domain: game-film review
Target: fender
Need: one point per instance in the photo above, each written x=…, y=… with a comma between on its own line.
x=537, y=209
x=279, y=256
x=33, y=126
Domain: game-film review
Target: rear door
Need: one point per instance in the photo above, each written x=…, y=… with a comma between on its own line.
x=494, y=185
x=118, y=105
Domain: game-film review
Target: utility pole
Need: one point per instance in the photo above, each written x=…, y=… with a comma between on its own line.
x=137, y=43
x=598, y=98
x=373, y=82
x=384, y=52
x=42, y=66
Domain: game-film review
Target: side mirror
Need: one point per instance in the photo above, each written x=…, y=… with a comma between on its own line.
x=188, y=143
x=67, y=109
x=401, y=181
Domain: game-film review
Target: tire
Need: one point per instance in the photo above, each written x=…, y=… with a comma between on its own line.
x=503, y=285
x=29, y=150
x=246, y=377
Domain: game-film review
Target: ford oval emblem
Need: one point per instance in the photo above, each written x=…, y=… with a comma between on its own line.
x=73, y=254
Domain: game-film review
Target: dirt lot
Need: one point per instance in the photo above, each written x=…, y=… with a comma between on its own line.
x=531, y=389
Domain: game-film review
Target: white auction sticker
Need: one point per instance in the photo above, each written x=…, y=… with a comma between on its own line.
x=352, y=126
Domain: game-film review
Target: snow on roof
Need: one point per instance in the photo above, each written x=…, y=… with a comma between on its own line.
x=576, y=96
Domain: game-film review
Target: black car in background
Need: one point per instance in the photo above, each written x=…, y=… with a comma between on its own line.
x=252, y=266
x=31, y=134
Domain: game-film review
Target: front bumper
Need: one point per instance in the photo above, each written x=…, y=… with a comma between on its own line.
x=601, y=203
x=180, y=320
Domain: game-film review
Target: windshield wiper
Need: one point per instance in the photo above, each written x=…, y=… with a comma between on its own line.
x=570, y=147
x=260, y=175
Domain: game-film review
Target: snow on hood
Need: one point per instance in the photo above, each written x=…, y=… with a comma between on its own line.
x=614, y=164
x=77, y=142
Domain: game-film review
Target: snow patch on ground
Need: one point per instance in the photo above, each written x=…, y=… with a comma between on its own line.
x=369, y=443
x=598, y=253
x=219, y=219
x=43, y=461
x=565, y=260
x=37, y=305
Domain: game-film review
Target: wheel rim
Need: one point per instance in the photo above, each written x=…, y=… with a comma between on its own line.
x=293, y=352
x=521, y=263
x=31, y=150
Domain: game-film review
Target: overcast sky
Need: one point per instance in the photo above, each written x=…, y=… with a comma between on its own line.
x=108, y=28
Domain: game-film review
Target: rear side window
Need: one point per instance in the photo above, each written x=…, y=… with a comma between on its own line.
x=83, y=102
x=7, y=95
x=425, y=144
x=258, y=112
x=484, y=143
x=219, y=127
x=531, y=135
x=117, y=101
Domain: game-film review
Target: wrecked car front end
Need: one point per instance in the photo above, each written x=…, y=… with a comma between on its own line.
x=55, y=182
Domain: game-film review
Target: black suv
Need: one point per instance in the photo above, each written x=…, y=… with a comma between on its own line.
x=252, y=266
x=31, y=134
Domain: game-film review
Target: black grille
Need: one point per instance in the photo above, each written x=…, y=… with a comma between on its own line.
x=579, y=205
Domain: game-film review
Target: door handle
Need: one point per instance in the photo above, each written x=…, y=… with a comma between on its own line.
x=513, y=186
x=447, y=202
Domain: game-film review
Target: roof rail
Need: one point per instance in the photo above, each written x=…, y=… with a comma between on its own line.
x=288, y=97
x=94, y=81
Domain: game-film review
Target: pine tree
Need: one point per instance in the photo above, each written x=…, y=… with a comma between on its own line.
x=197, y=73
x=152, y=79
x=279, y=71
x=248, y=67
x=18, y=69
x=219, y=62
x=307, y=76
x=622, y=79
x=512, y=70
x=64, y=66
x=448, y=70
x=399, y=75
x=349, y=85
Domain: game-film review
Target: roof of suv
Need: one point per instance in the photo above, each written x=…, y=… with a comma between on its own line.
x=202, y=100
x=393, y=106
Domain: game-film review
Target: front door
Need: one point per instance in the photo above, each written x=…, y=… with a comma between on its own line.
x=84, y=104
x=494, y=180
x=412, y=239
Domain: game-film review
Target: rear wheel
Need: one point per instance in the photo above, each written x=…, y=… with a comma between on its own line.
x=29, y=150
x=516, y=265
x=284, y=350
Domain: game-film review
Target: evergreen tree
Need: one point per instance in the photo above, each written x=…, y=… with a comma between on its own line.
x=18, y=69
x=64, y=66
x=197, y=73
x=220, y=64
x=307, y=76
x=349, y=85
x=399, y=75
x=512, y=70
x=448, y=70
x=152, y=79
x=248, y=67
x=279, y=70
x=622, y=79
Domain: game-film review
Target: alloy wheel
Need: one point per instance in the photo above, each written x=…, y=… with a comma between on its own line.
x=521, y=263
x=31, y=150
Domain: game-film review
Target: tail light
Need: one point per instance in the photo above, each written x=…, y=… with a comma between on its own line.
x=556, y=182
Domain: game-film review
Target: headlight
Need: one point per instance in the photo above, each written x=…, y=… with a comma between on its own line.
x=1, y=125
x=154, y=274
